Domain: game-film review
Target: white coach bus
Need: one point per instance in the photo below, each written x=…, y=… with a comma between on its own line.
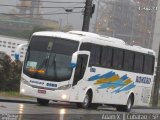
x=87, y=69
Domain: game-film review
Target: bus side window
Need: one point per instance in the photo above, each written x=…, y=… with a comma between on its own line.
x=128, y=60
x=85, y=46
x=95, y=55
x=117, y=58
x=106, y=57
x=138, y=62
x=148, y=64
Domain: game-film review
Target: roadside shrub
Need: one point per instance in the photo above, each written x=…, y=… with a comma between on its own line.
x=10, y=72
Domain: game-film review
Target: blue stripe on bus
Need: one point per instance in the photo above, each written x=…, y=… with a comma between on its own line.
x=107, y=75
x=125, y=88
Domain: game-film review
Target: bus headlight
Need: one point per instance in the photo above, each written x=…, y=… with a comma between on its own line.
x=64, y=96
x=25, y=81
x=65, y=87
x=22, y=90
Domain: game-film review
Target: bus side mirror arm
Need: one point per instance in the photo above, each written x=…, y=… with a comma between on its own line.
x=17, y=52
x=74, y=60
x=75, y=57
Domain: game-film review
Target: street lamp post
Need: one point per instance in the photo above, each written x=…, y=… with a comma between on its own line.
x=68, y=11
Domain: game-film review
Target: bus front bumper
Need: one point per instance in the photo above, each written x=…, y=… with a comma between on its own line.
x=57, y=95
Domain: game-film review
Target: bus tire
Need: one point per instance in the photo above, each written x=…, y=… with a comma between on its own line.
x=87, y=101
x=43, y=102
x=127, y=107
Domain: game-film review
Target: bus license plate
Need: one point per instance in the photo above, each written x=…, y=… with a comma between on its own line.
x=41, y=91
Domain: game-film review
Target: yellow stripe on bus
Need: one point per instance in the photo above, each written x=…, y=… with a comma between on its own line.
x=103, y=80
x=128, y=81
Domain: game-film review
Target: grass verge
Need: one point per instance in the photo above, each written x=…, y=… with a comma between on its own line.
x=12, y=94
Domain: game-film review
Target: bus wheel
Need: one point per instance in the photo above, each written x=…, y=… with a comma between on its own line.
x=43, y=102
x=126, y=108
x=87, y=101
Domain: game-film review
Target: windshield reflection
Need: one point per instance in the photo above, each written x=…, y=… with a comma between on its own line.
x=51, y=59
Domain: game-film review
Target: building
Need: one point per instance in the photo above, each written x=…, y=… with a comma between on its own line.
x=9, y=45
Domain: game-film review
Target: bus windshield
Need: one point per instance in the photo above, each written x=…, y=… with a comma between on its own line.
x=49, y=58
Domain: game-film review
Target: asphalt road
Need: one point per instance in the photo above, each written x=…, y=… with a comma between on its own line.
x=63, y=111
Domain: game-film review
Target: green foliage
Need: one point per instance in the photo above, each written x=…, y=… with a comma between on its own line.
x=24, y=33
x=10, y=72
x=39, y=28
x=12, y=94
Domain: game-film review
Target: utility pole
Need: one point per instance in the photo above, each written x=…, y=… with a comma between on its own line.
x=156, y=83
x=156, y=42
x=60, y=24
x=95, y=27
x=68, y=11
x=87, y=15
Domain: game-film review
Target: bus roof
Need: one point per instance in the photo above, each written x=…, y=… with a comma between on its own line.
x=59, y=34
x=110, y=41
x=95, y=38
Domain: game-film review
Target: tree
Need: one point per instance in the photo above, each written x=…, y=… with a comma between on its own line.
x=10, y=72
x=5, y=72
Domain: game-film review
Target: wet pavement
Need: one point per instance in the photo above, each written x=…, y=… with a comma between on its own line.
x=64, y=111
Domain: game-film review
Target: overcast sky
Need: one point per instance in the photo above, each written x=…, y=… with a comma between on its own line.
x=74, y=19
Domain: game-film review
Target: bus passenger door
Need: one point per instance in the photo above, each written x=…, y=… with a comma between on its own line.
x=79, y=77
x=82, y=60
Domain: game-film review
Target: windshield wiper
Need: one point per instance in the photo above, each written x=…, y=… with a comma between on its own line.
x=54, y=67
x=44, y=63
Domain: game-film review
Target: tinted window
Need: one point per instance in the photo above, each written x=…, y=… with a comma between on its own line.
x=148, y=64
x=95, y=55
x=66, y=47
x=106, y=60
x=49, y=58
x=42, y=43
x=57, y=45
x=117, y=58
x=138, y=62
x=85, y=46
x=128, y=60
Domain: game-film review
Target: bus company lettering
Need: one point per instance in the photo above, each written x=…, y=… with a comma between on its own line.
x=51, y=85
x=36, y=82
x=144, y=80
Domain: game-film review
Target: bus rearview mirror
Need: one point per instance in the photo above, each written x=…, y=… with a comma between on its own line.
x=74, y=60
x=17, y=51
